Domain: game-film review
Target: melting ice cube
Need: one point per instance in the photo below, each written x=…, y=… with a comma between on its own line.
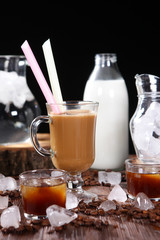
x=8, y=183
x=3, y=202
x=71, y=200
x=59, y=216
x=143, y=202
x=1, y=176
x=11, y=217
x=107, y=205
x=113, y=178
x=117, y=194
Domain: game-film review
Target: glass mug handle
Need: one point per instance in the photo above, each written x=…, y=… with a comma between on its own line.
x=33, y=131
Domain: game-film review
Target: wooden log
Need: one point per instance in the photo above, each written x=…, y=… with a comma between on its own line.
x=17, y=158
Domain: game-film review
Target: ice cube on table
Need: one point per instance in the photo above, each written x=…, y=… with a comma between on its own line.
x=11, y=183
x=113, y=178
x=118, y=194
x=11, y=217
x=59, y=216
x=143, y=202
x=107, y=205
x=8, y=183
x=71, y=200
x=3, y=202
x=1, y=176
x=102, y=176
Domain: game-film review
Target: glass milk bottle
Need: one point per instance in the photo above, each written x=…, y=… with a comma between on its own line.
x=107, y=86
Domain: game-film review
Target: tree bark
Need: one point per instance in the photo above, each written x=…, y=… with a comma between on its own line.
x=17, y=158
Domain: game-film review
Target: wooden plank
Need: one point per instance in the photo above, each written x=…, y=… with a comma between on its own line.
x=117, y=229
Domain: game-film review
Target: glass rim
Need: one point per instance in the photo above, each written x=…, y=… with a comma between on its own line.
x=131, y=162
x=73, y=103
x=25, y=174
x=106, y=57
x=102, y=54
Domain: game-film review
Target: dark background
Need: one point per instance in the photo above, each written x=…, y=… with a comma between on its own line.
x=77, y=32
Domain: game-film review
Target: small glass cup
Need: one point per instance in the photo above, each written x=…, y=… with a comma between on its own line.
x=143, y=176
x=40, y=189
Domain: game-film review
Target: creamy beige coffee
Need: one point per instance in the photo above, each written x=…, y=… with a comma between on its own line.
x=72, y=136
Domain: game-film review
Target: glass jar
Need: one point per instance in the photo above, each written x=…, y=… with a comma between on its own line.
x=145, y=123
x=107, y=86
x=18, y=106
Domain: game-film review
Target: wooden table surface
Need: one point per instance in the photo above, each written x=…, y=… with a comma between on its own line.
x=16, y=158
x=120, y=226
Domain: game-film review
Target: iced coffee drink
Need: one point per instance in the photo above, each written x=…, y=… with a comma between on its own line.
x=72, y=140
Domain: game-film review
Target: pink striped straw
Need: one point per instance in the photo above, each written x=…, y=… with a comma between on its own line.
x=39, y=76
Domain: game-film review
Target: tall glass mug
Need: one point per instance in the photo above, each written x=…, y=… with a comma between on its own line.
x=72, y=139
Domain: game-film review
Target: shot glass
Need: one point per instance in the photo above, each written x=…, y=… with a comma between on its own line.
x=40, y=189
x=143, y=176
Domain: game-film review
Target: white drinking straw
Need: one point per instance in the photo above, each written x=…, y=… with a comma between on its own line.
x=39, y=76
x=47, y=50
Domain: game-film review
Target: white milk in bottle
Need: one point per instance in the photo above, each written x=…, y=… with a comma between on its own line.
x=106, y=86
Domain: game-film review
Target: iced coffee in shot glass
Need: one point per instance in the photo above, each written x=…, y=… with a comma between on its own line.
x=40, y=189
